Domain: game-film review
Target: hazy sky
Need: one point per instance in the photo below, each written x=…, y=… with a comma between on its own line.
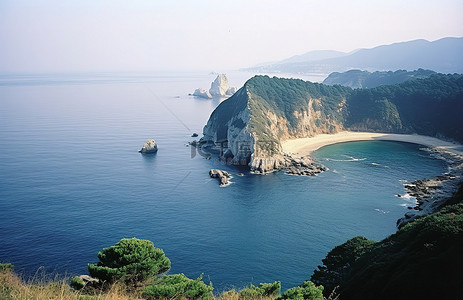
x=113, y=35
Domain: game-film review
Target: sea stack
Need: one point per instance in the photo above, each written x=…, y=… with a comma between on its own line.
x=149, y=146
x=220, y=87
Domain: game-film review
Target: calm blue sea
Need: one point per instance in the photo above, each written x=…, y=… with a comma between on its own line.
x=72, y=183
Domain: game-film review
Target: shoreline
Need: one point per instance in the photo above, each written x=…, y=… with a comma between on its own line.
x=305, y=146
x=430, y=193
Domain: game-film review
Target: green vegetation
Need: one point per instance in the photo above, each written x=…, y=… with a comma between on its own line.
x=338, y=261
x=131, y=260
x=263, y=290
x=286, y=96
x=420, y=261
x=77, y=283
x=178, y=287
x=308, y=290
x=6, y=267
x=429, y=104
x=365, y=79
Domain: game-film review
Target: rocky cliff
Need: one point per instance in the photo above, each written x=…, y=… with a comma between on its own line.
x=266, y=111
x=219, y=88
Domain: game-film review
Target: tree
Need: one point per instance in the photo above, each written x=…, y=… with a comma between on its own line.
x=338, y=262
x=131, y=260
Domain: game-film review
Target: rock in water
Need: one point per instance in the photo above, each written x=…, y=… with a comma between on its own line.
x=149, y=147
x=220, y=87
x=223, y=176
x=202, y=93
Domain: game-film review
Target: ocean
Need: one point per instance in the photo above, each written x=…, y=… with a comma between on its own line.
x=73, y=183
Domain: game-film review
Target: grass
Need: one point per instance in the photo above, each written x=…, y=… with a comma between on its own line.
x=14, y=288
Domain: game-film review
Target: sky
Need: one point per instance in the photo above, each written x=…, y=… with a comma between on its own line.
x=216, y=35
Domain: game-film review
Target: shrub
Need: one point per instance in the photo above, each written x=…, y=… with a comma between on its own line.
x=263, y=290
x=308, y=290
x=77, y=283
x=178, y=286
x=6, y=267
x=130, y=259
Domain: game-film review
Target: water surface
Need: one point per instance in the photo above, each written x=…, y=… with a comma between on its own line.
x=72, y=183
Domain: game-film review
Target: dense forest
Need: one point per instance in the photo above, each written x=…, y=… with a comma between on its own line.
x=365, y=79
x=430, y=106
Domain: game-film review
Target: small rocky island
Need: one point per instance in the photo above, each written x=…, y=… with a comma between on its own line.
x=149, y=146
x=223, y=176
x=219, y=88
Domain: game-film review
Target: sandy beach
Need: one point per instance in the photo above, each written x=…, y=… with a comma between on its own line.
x=304, y=146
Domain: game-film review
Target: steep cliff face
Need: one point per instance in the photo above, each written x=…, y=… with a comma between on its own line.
x=255, y=120
x=266, y=111
x=230, y=123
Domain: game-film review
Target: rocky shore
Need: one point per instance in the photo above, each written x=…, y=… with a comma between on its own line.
x=223, y=176
x=432, y=193
x=304, y=166
x=292, y=165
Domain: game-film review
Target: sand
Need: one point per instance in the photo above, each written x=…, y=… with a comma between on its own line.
x=305, y=146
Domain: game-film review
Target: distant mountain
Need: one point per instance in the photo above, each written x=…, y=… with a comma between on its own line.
x=314, y=56
x=442, y=56
x=364, y=79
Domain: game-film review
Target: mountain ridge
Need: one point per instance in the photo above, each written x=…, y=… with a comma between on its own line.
x=442, y=55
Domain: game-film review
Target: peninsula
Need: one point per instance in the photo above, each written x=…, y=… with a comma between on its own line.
x=273, y=123
x=260, y=121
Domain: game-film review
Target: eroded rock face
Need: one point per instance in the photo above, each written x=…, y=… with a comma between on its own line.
x=202, y=93
x=223, y=176
x=220, y=87
x=149, y=146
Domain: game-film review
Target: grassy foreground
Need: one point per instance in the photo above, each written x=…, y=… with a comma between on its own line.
x=13, y=287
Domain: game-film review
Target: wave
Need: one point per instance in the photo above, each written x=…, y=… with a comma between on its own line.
x=379, y=165
x=350, y=158
x=382, y=211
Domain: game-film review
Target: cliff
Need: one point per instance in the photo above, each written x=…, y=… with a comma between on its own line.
x=267, y=111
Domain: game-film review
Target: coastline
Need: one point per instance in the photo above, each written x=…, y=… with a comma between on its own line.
x=430, y=193
x=305, y=146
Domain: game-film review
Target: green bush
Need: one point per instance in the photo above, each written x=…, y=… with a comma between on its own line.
x=131, y=260
x=308, y=290
x=263, y=290
x=178, y=286
x=6, y=267
x=77, y=283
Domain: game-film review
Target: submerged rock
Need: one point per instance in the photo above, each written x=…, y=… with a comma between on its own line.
x=223, y=176
x=149, y=146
